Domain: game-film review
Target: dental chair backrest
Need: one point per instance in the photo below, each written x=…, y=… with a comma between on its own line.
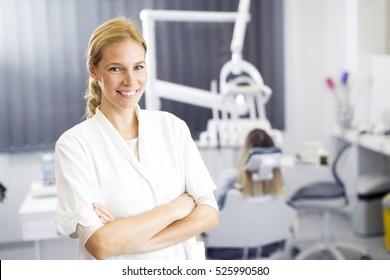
x=261, y=162
x=254, y=221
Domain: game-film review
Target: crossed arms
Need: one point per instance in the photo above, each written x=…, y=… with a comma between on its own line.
x=161, y=227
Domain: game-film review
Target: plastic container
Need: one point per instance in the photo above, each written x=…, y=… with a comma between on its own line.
x=48, y=175
x=386, y=220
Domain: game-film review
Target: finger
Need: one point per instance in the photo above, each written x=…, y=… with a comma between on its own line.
x=104, y=214
x=103, y=210
x=103, y=220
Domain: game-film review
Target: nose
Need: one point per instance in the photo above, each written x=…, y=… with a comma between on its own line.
x=128, y=78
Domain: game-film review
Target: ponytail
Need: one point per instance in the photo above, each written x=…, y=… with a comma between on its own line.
x=93, y=97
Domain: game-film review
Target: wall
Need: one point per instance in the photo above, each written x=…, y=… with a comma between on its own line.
x=372, y=40
x=388, y=27
x=305, y=26
x=324, y=38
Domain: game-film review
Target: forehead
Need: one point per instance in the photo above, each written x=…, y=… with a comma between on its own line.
x=123, y=51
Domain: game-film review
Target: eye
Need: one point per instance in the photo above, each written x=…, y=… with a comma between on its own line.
x=139, y=67
x=115, y=69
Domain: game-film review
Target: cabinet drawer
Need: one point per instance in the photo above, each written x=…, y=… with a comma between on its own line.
x=37, y=229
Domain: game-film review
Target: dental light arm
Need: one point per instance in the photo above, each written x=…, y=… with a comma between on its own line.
x=239, y=30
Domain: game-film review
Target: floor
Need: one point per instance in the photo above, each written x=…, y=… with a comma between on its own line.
x=341, y=229
x=17, y=251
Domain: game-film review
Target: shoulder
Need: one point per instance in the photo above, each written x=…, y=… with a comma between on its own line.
x=78, y=132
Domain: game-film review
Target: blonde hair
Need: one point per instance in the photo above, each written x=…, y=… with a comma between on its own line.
x=112, y=31
x=257, y=138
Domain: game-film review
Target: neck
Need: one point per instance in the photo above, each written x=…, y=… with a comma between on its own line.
x=125, y=122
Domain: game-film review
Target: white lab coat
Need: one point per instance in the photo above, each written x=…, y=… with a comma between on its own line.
x=94, y=164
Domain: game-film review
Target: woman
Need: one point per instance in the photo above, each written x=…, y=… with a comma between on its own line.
x=141, y=165
x=241, y=179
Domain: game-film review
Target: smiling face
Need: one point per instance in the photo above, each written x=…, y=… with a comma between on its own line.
x=122, y=75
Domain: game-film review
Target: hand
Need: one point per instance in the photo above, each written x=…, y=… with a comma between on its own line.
x=104, y=215
x=182, y=206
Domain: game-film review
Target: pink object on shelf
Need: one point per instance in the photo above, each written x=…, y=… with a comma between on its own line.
x=330, y=83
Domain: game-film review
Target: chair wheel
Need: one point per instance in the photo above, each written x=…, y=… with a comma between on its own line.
x=366, y=257
x=295, y=251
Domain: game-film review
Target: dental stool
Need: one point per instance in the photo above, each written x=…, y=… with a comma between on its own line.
x=326, y=197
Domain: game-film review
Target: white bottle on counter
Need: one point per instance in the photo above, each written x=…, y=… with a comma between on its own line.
x=48, y=176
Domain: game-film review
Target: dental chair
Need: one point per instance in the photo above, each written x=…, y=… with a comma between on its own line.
x=326, y=197
x=253, y=222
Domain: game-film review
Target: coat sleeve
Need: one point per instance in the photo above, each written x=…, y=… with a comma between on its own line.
x=77, y=187
x=199, y=183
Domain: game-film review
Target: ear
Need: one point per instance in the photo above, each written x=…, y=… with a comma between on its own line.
x=92, y=72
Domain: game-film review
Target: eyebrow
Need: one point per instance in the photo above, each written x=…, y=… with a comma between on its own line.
x=119, y=63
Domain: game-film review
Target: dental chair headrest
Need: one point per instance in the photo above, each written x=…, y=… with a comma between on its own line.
x=261, y=162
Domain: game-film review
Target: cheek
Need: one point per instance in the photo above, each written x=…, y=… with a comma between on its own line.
x=108, y=81
x=144, y=79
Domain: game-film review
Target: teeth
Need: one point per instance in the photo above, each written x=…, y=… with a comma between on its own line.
x=128, y=93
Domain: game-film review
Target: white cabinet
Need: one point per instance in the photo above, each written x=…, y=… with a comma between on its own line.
x=38, y=217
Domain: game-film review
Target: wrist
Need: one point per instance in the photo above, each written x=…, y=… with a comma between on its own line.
x=170, y=211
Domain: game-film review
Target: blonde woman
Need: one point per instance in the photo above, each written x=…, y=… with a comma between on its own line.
x=242, y=179
x=141, y=165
